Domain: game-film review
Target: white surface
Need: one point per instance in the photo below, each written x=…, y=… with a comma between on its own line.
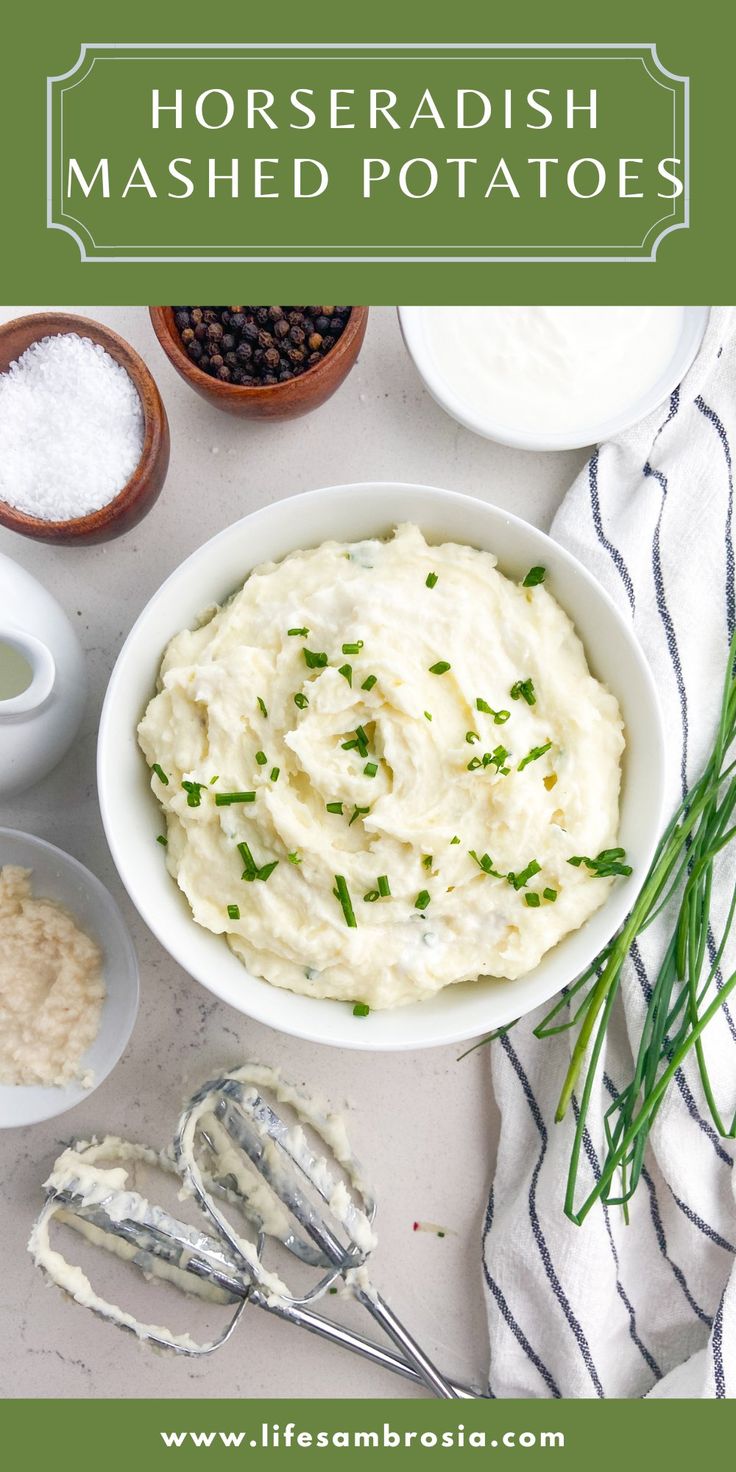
x=552, y=378
x=422, y=1122
x=57, y=876
x=132, y=817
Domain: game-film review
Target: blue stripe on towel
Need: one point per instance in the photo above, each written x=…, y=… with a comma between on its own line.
x=659, y=1232
x=626, y=1301
x=509, y=1319
x=539, y=1236
x=719, y=1373
x=666, y=618
x=613, y=552
x=701, y=1225
x=713, y=419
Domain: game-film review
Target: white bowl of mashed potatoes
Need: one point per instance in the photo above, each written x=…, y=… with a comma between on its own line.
x=68, y=981
x=382, y=766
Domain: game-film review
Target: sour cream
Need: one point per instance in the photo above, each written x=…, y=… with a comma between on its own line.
x=356, y=752
x=565, y=373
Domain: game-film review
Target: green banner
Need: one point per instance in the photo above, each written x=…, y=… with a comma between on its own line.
x=343, y=1433
x=331, y=152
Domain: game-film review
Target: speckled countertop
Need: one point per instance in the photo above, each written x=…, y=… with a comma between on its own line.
x=423, y=1123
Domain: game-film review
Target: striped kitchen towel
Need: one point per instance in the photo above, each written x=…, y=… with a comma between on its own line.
x=647, y=1309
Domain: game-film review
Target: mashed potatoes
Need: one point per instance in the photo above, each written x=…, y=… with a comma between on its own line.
x=51, y=987
x=376, y=761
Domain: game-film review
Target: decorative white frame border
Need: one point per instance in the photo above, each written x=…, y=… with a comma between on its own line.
x=374, y=258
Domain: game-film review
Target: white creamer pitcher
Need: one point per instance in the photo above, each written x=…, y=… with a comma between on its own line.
x=43, y=680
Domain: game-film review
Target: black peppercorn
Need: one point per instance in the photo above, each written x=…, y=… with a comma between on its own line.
x=255, y=346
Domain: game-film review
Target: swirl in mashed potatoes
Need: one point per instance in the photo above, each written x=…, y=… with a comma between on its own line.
x=376, y=762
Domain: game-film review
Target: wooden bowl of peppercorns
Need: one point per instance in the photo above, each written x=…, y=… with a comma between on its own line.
x=262, y=362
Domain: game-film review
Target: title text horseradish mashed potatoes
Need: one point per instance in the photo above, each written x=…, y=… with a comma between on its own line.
x=376, y=763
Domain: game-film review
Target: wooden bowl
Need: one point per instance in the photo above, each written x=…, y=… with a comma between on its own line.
x=138, y=496
x=272, y=401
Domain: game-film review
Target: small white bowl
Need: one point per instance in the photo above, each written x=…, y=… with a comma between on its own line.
x=132, y=817
x=57, y=876
x=413, y=321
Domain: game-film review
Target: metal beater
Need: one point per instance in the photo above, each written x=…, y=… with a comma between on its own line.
x=233, y=1148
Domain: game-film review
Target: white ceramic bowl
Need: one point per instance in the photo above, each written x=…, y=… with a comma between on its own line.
x=132, y=818
x=57, y=876
x=413, y=322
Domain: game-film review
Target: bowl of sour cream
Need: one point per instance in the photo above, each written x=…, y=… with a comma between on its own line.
x=343, y=780
x=551, y=378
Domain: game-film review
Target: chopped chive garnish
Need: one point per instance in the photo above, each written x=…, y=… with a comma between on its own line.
x=261, y=758
x=532, y=900
x=346, y=670
x=440, y=668
x=499, y=716
x=427, y=861
x=605, y=865
x=353, y=648
x=474, y=763
x=427, y=715
x=360, y=733
x=343, y=895
x=334, y=807
x=533, y=755
x=274, y=774
x=519, y=880
x=361, y=1009
x=471, y=736
x=301, y=700
x=357, y=813
x=233, y=912
x=267, y=870
x=261, y=705
x=485, y=862
x=432, y=579
x=350, y=745
x=160, y=773
x=534, y=576
x=213, y=780
x=497, y=758
x=314, y=660
x=225, y=799
x=422, y=899
x=524, y=690
x=369, y=683
x=455, y=839
x=294, y=857
x=384, y=888
x=370, y=769
x=251, y=868
x=299, y=633
x=194, y=793
x=163, y=841
x=371, y=897
x=550, y=894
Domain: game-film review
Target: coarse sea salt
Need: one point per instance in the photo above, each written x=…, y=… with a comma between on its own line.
x=71, y=429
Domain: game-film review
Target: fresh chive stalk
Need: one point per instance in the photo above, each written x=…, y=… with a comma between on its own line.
x=343, y=895
x=687, y=992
